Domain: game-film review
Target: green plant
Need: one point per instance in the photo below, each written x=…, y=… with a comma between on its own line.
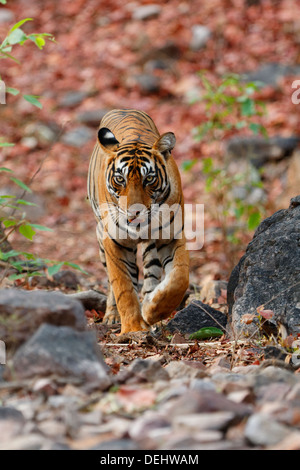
x=230, y=106
x=12, y=215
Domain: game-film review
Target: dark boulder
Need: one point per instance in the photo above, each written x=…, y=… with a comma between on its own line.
x=269, y=274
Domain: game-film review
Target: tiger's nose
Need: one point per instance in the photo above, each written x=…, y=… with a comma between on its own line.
x=133, y=212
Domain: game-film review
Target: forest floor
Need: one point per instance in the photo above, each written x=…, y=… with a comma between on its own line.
x=105, y=51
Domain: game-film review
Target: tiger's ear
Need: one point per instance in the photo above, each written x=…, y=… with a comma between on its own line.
x=107, y=138
x=165, y=144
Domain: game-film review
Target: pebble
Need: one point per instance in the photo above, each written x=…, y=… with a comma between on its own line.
x=249, y=408
x=262, y=430
x=78, y=136
x=146, y=12
x=6, y=15
x=200, y=36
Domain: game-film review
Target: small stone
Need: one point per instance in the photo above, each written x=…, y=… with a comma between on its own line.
x=78, y=136
x=146, y=12
x=72, y=98
x=30, y=142
x=66, y=278
x=215, y=421
x=11, y=422
x=291, y=442
x=195, y=316
x=262, y=430
x=32, y=441
x=148, y=83
x=200, y=36
x=6, y=15
x=64, y=352
x=32, y=308
x=178, y=369
x=143, y=425
x=91, y=117
x=147, y=370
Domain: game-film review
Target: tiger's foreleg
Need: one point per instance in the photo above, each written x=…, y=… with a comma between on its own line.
x=122, y=273
x=151, y=266
x=111, y=313
x=167, y=295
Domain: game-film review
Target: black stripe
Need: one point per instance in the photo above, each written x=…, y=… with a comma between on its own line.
x=148, y=275
x=149, y=248
x=153, y=262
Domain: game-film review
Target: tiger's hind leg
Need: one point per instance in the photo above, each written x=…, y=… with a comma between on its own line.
x=151, y=266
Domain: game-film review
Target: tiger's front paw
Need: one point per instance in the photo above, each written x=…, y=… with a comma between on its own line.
x=111, y=317
x=148, y=311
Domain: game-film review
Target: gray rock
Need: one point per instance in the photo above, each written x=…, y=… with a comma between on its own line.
x=116, y=444
x=32, y=441
x=269, y=273
x=262, y=430
x=148, y=83
x=22, y=312
x=72, y=98
x=148, y=370
x=78, y=136
x=11, y=422
x=200, y=36
x=205, y=401
x=6, y=15
x=146, y=12
x=64, y=352
x=178, y=369
x=259, y=150
x=195, y=316
x=143, y=425
x=219, y=420
x=272, y=73
x=66, y=278
x=91, y=117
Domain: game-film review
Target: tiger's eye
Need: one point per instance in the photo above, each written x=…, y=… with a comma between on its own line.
x=150, y=179
x=119, y=179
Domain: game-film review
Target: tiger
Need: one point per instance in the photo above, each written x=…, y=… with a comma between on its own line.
x=132, y=180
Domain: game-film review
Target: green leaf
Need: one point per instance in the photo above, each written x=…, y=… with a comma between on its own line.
x=14, y=277
x=6, y=144
x=17, y=25
x=207, y=165
x=248, y=107
x=205, y=333
x=188, y=164
x=41, y=227
x=21, y=184
x=12, y=91
x=75, y=266
x=27, y=231
x=54, y=269
x=38, y=40
x=254, y=220
x=3, y=168
x=3, y=2
x=9, y=223
x=33, y=100
x=25, y=203
x=16, y=36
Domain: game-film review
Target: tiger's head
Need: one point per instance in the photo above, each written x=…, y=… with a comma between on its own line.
x=136, y=174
